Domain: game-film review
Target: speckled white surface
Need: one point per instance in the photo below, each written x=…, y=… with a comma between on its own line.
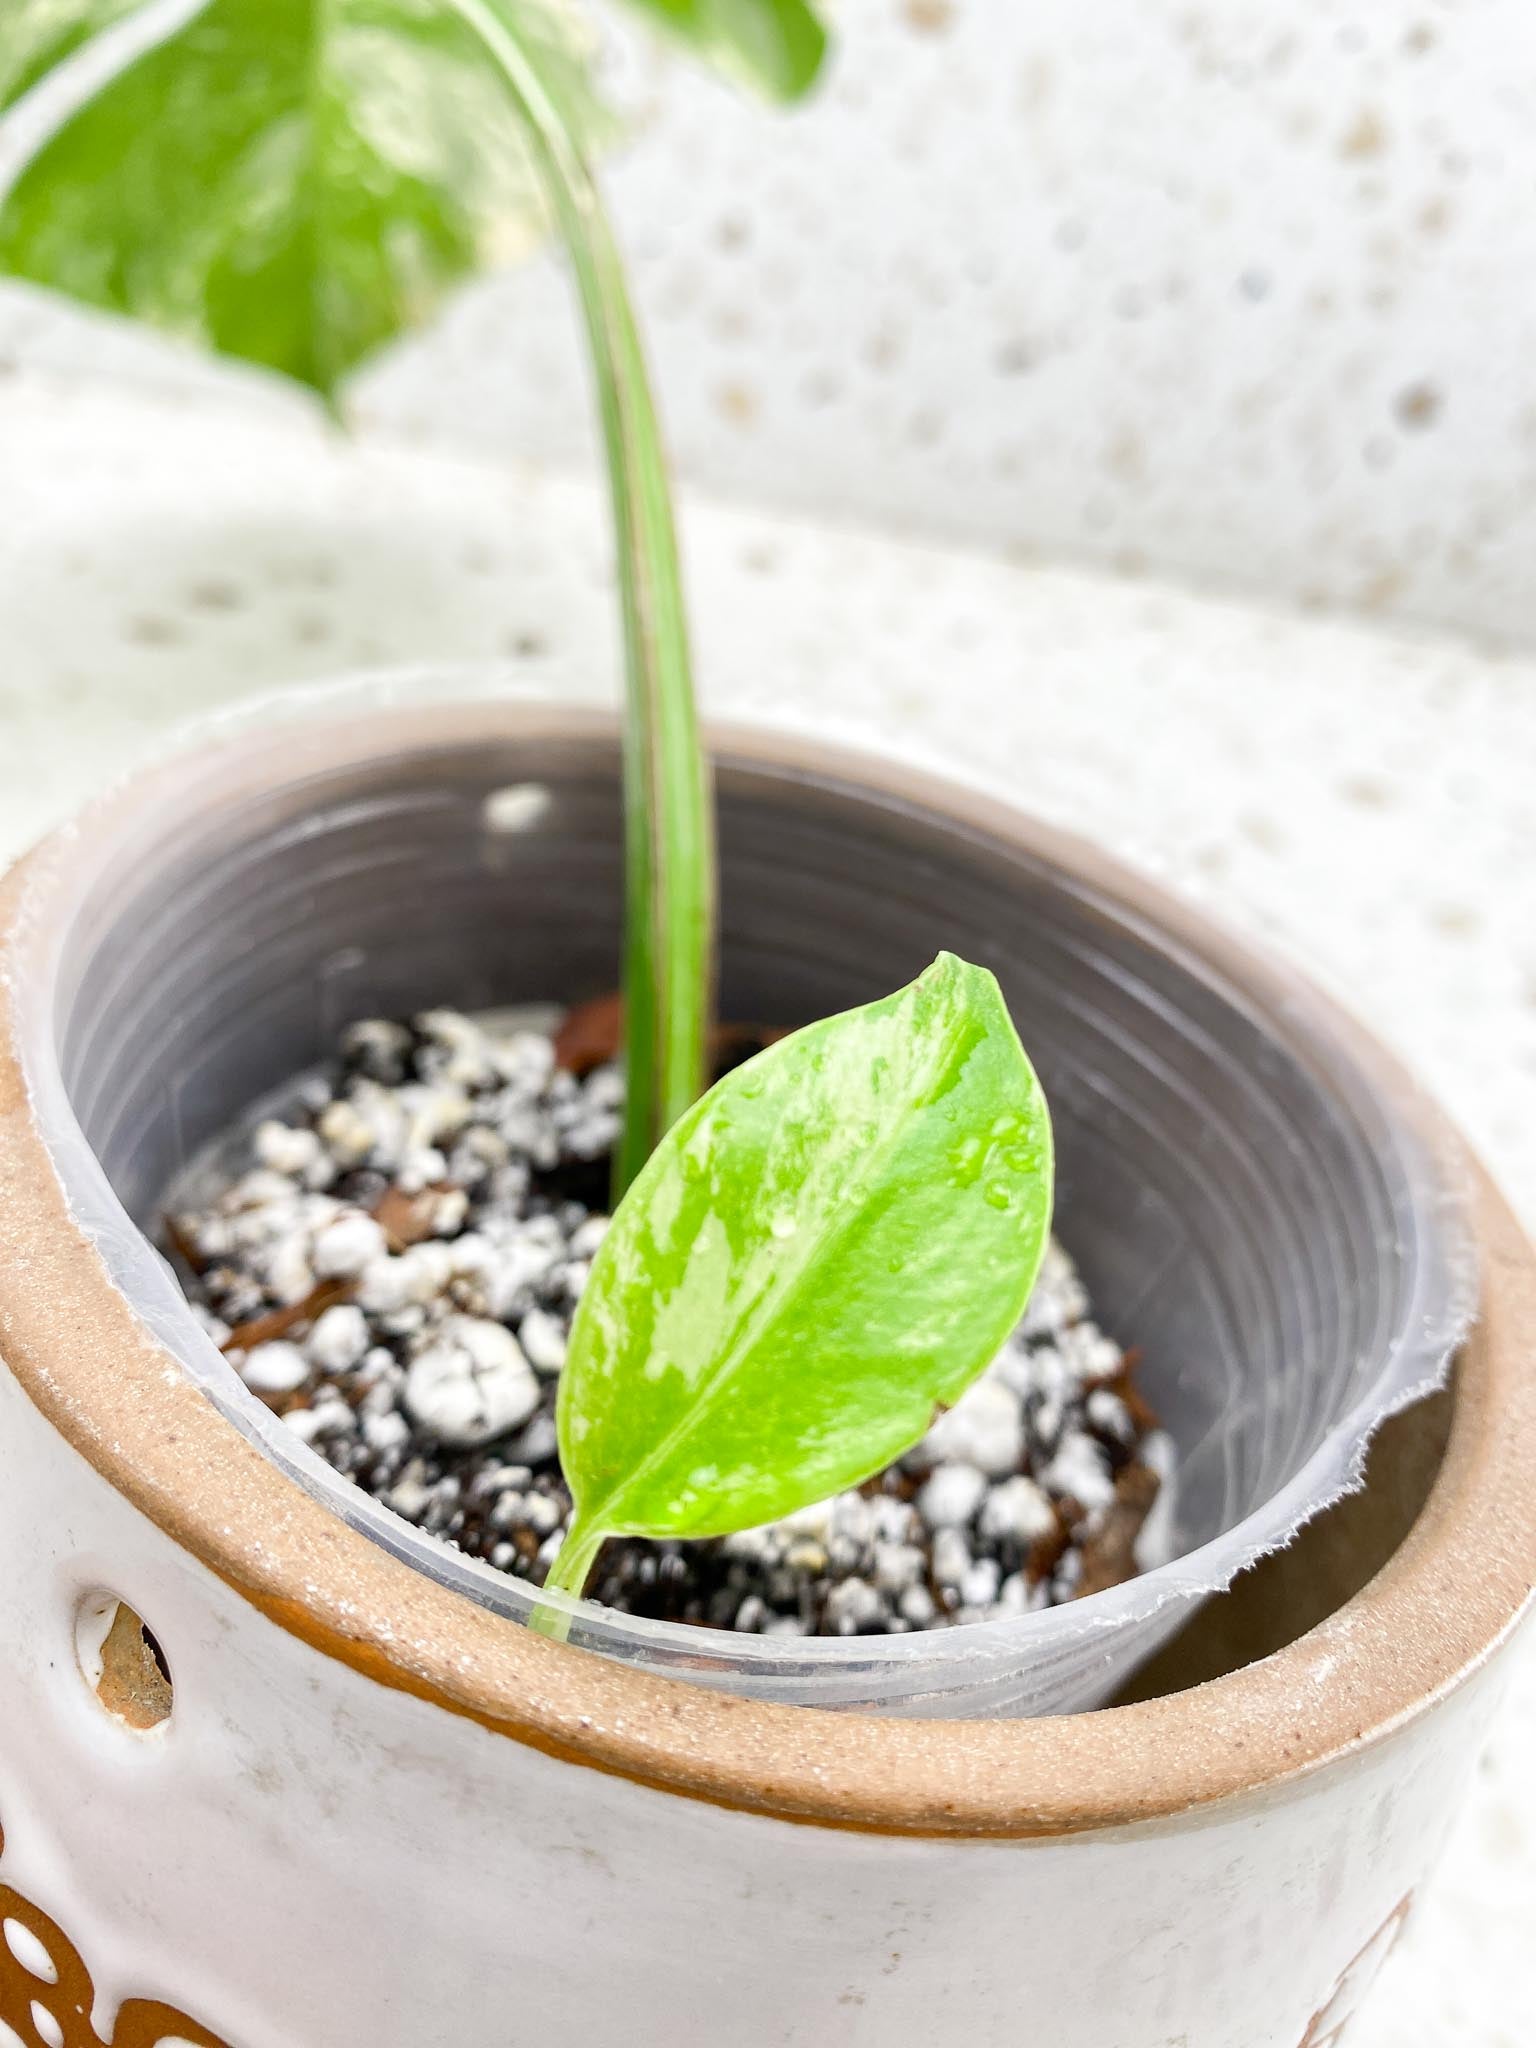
x=1365, y=798
x=1236, y=290
x=1241, y=291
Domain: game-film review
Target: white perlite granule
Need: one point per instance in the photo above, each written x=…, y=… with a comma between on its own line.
x=395, y=1269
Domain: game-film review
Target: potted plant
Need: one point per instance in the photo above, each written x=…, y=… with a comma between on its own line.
x=243, y=1699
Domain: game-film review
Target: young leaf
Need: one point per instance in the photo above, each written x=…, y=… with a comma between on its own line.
x=292, y=182
x=775, y=46
x=829, y=1245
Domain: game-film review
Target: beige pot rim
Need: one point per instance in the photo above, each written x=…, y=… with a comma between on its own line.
x=1446, y=1599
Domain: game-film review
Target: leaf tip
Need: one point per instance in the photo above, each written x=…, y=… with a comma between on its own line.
x=949, y=971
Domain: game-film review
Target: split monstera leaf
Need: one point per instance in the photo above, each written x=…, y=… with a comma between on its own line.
x=295, y=182
x=836, y=1238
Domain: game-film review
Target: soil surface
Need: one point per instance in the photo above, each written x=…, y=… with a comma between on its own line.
x=393, y=1267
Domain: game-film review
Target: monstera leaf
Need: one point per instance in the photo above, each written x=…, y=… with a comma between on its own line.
x=296, y=181
x=774, y=45
x=288, y=181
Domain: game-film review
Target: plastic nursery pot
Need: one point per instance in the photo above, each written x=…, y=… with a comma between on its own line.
x=273, y=1770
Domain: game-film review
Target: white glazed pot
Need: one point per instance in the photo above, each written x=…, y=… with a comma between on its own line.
x=377, y=1815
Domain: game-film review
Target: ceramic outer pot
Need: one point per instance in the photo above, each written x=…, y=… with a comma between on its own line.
x=1270, y=1215
x=379, y=1814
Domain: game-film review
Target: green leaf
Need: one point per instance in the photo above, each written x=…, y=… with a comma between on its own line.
x=775, y=46
x=292, y=182
x=37, y=35
x=831, y=1244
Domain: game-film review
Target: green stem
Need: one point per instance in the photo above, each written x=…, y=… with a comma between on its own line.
x=669, y=824
x=568, y=1574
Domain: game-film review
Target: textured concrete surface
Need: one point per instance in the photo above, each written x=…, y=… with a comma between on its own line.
x=1363, y=798
x=1240, y=291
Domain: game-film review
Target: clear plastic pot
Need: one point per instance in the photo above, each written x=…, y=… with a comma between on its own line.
x=1256, y=1196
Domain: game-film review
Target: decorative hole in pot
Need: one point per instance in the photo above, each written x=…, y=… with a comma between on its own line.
x=122, y=1663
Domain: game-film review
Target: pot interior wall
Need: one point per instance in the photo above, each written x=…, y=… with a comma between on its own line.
x=1227, y=1203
